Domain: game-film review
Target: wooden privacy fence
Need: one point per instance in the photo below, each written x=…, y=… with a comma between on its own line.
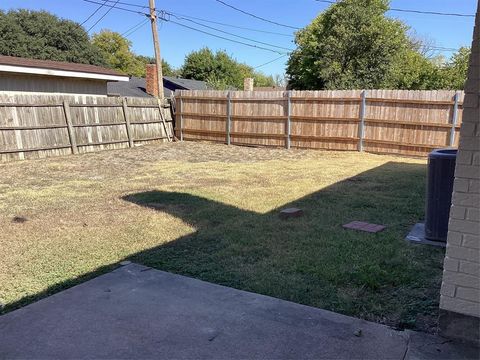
x=379, y=121
x=34, y=126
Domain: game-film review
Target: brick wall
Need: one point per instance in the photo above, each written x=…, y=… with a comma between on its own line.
x=151, y=80
x=460, y=291
x=248, y=84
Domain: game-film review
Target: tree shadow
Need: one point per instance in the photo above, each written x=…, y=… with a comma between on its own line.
x=310, y=260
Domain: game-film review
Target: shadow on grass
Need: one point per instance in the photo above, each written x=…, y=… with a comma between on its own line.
x=310, y=260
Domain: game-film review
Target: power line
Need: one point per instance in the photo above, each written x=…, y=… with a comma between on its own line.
x=228, y=33
x=128, y=4
x=234, y=26
x=106, y=13
x=162, y=15
x=225, y=38
x=134, y=28
x=271, y=61
x=256, y=16
x=92, y=14
x=118, y=8
x=412, y=11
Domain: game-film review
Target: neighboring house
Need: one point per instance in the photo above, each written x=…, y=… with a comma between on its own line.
x=147, y=87
x=21, y=75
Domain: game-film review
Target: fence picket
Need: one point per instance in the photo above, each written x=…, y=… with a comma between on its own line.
x=385, y=121
x=36, y=125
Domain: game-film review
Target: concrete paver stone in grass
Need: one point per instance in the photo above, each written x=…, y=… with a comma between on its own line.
x=364, y=226
x=290, y=213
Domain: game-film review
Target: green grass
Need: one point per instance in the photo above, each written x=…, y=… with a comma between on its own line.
x=173, y=208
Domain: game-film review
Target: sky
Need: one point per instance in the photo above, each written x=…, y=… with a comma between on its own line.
x=177, y=41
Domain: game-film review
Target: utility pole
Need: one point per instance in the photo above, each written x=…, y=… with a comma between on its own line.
x=156, y=45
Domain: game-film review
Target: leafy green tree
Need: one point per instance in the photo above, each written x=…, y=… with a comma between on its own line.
x=352, y=44
x=414, y=71
x=116, y=50
x=220, y=70
x=455, y=71
x=41, y=35
x=167, y=69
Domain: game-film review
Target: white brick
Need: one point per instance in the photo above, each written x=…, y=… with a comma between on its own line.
x=461, y=276
x=476, y=158
x=468, y=294
x=462, y=253
x=471, y=268
x=464, y=226
x=469, y=128
x=448, y=290
x=464, y=157
x=474, y=186
x=451, y=264
x=471, y=241
x=470, y=102
x=461, y=279
x=460, y=306
x=473, y=215
x=458, y=212
x=470, y=200
x=473, y=72
x=467, y=171
x=454, y=238
x=461, y=185
x=469, y=142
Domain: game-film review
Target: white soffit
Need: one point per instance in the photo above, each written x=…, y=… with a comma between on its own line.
x=62, y=73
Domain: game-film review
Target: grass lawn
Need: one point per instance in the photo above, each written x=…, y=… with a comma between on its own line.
x=211, y=212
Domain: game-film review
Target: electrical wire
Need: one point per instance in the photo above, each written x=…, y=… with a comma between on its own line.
x=92, y=14
x=234, y=26
x=228, y=33
x=225, y=38
x=101, y=18
x=129, y=4
x=411, y=11
x=256, y=16
x=134, y=28
x=118, y=8
x=271, y=61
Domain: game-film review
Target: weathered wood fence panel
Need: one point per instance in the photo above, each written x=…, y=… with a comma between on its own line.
x=380, y=121
x=33, y=126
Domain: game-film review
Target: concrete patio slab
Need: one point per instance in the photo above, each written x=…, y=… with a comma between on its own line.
x=142, y=313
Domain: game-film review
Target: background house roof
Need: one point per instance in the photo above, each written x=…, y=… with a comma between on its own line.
x=56, y=65
x=137, y=86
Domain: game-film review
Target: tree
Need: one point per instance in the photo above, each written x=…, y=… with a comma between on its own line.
x=168, y=69
x=116, y=50
x=351, y=45
x=220, y=70
x=414, y=71
x=41, y=35
x=455, y=71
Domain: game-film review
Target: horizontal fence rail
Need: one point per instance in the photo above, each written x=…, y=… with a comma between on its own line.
x=33, y=126
x=400, y=122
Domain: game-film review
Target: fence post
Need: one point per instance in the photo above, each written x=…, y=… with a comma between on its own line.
x=162, y=118
x=180, y=116
x=70, y=129
x=127, y=122
x=361, y=125
x=289, y=114
x=229, y=118
x=454, y=118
